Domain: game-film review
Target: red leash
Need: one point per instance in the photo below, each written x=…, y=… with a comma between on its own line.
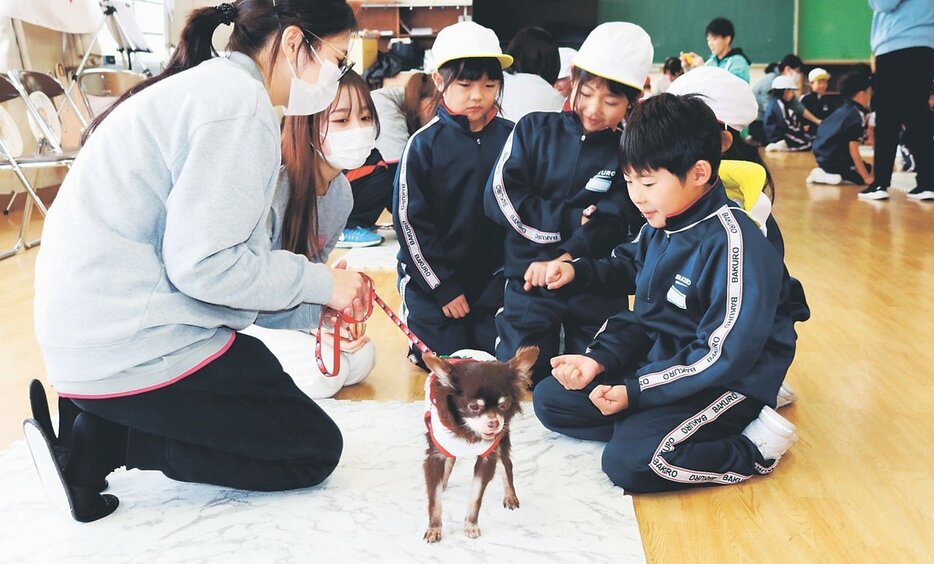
x=373, y=297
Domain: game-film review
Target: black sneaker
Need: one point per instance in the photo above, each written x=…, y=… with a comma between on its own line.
x=920, y=194
x=875, y=192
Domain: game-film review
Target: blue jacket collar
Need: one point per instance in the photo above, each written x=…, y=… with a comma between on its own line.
x=708, y=204
x=458, y=121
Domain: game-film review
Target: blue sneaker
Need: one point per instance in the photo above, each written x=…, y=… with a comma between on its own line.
x=358, y=237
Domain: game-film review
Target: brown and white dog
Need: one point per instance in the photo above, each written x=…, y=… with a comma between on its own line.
x=468, y=406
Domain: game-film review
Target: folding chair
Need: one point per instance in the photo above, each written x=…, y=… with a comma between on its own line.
x=18, y=84
x=101, y=87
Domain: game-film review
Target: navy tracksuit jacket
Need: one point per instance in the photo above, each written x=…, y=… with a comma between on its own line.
x=548, y=173
x=447, y=246
x=708, y=343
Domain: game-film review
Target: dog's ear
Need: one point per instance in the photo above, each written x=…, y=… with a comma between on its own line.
x=440, y=368
x=522, y=364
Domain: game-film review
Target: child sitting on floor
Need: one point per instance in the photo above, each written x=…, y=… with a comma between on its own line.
x=680, y=387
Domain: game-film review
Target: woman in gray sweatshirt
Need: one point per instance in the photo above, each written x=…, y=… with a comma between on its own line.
x=158, y=250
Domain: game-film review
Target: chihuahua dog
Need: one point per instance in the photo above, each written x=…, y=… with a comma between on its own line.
x=468, y=406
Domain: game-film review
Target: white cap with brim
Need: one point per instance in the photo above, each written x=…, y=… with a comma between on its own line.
x=617, y=51
x=467, y=40
x=566, y=54
x=784, y=82
x=729, y=96
x=817, y=74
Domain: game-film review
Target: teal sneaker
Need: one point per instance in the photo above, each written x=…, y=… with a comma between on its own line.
x=358, y=237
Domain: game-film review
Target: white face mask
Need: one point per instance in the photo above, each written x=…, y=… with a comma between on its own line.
x=350, y=148
x=306, y=99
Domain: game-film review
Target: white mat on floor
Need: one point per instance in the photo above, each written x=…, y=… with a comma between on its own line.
x=381, y=257
x=372, y=509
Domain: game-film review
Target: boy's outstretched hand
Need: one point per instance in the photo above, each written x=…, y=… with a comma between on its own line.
x=558, y=274
x=536, y=273
x=575, y=371
x=610, y=399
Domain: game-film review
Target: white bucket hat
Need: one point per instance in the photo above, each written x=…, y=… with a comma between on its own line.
x=618, y=51
x=465, y=40
x=566, y=54
x=784, y=82
x=817, y=74
x=729, y=96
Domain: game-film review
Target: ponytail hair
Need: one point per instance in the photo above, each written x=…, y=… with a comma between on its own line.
x=254, y=22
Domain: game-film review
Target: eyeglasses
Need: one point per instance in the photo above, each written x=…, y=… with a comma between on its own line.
x=344, y=65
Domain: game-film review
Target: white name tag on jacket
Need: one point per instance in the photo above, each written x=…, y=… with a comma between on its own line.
x=677, y=298
x=597, y=184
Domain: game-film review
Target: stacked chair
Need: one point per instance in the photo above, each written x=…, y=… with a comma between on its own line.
x=35, y=90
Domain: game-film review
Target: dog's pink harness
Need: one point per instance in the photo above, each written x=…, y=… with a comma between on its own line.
x=448, y=443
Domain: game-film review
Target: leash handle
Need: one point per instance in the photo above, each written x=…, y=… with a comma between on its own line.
x=373, y=297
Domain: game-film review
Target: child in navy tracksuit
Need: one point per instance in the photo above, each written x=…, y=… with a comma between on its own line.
x=680, y=387
x=450, y=254
x=784, y=130
x=557, y=190
x=836, y=147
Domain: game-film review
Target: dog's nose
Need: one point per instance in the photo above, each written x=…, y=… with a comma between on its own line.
x=492, y=423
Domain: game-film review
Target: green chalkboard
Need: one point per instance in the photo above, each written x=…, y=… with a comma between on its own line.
x=764, y=28
x=834, y=30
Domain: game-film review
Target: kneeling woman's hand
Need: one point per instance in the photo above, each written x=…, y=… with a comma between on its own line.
x=351, y=293
x=347, y=343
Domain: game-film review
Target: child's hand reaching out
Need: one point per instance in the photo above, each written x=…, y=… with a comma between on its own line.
x=536, y=275
x=575, y=371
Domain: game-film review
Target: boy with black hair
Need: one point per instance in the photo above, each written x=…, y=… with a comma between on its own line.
x=680, y=387
x=836, y=146
x=720, y=34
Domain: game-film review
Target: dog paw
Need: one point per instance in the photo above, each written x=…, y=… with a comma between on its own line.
x=511, y=502
x=433, y=534
x=472, y=530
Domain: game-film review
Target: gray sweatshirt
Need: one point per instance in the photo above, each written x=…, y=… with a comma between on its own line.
x=159, y=243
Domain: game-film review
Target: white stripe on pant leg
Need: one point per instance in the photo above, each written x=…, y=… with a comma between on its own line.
x=684, y=431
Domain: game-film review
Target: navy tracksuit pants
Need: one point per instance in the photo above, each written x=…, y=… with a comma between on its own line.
x=694, y=442
x=446, y=335
x=537, y=317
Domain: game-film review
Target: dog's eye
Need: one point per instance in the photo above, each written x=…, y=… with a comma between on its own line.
x=474, y=407
x=505, y=405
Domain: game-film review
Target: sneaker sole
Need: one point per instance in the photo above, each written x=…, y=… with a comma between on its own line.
x=344, y=245
x=53, y=483
x=874, y=196
x=920, y=198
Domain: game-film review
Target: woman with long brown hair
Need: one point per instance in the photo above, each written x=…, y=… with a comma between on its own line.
x=157, y=251
x=309, y=212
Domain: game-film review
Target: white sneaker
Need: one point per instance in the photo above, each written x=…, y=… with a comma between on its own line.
x=874, y=192
x=777, y=146
x=772, y=434
x=785, y=396
x=821, y=176
x=920, y=195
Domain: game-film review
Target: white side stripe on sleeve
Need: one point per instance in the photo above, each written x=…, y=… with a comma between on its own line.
x=409, y=236
x=505, y=205
x=734, y=299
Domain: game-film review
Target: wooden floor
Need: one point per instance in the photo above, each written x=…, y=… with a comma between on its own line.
x=855, y=488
